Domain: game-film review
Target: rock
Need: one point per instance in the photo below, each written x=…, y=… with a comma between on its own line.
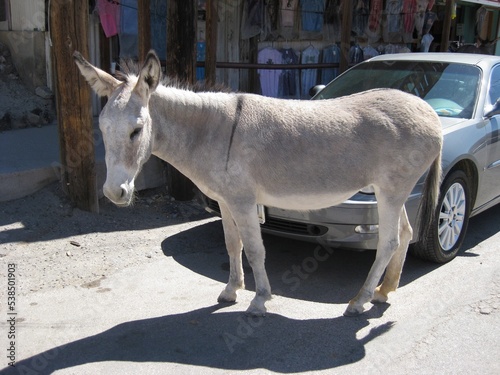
x=44, y=92
x=33, y=119
x=5, y=121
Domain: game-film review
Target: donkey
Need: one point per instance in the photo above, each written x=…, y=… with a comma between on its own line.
x=244, y=149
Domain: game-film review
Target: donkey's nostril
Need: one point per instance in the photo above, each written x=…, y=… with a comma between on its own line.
x=123, y=192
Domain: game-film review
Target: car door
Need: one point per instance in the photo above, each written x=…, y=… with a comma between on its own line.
x=490, y=182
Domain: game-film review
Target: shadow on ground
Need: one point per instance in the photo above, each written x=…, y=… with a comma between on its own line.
x=230, y=341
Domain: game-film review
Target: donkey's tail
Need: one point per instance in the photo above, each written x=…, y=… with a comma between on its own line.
x=430, y=196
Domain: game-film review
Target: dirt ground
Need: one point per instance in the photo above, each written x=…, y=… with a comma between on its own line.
x=56, y=245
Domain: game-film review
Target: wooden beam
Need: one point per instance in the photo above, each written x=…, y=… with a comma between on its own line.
x=211, y=40
x=345, y=37
x=181, y=62
x=181, y=39
x=69, y=32
x=144, y=28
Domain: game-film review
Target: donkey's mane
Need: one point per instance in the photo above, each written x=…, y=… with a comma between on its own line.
x=129, y=71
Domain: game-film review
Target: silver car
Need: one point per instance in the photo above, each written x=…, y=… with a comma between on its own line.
x=464, y=90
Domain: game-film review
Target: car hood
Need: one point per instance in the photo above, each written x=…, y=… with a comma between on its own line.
x=447, y=122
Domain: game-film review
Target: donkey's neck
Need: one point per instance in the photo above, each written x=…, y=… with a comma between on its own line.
x=184, y=122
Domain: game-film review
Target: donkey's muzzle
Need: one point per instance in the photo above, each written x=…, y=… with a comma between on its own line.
x=120, y=195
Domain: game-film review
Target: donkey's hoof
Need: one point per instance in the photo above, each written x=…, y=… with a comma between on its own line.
x=353, y=310
x=227, y=297
x=379, y=297
x=256, y=310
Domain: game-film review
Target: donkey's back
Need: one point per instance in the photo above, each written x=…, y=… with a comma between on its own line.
x=328, y=149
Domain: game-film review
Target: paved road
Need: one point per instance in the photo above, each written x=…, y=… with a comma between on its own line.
x=162, y=317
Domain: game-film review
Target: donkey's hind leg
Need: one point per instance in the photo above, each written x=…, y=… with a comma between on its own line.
x=393, y=271
x=234, y=250
x=387, y=244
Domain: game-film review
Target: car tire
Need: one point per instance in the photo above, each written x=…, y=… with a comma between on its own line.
x=447, y=232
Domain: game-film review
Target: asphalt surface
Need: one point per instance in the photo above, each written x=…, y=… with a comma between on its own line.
x=162, y=316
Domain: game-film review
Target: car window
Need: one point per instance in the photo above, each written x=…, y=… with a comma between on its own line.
x=450, y=88
x=494, y=88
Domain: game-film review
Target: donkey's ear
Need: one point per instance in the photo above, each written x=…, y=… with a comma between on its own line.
x=101, y=82
x=149, y=77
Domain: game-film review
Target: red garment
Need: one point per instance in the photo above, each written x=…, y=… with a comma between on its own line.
x=375, y=15
x=109, y=14
x=409, y=9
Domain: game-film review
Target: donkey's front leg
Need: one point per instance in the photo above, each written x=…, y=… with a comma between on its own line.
x=248, y=226
x=234, y=250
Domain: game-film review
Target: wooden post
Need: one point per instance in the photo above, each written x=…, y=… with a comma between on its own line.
x=345, y=37
x=144, y=28
x=181, y=39
x=211, y=40
x=181, y=62
x=69, y=32
x=445, y=36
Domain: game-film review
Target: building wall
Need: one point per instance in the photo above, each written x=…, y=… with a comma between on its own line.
x=25, y=35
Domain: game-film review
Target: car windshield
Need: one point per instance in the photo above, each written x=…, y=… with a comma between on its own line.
x=450, y=88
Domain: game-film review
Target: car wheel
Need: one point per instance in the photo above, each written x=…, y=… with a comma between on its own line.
x=447, y=232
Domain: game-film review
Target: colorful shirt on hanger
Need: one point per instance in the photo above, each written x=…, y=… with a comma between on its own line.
x=269, y=78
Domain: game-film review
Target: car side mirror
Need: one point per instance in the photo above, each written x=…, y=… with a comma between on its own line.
x=315, y=89
x=495, y=110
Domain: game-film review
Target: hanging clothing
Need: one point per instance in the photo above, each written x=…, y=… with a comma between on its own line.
x=312, y=14
x=420, y=15
x=109, y=15
x=253, y=18
x=355, y=55
x=269, y=78
x=308, y=76
x=331, y=55
x=393, y=10
x=201, y=48
x=360, y=15
x=426, y=42
x=375, y=15
x=289, y=84
x=409, y=10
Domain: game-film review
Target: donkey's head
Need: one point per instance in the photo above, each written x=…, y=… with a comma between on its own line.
x=125, y=123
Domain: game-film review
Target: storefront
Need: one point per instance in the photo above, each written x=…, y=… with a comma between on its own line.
x=292, y=34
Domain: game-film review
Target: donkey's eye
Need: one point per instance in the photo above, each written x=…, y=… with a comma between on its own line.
x=135, y=133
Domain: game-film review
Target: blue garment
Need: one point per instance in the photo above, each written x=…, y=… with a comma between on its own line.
x=289, y=77
x=129, y=29
x=331, y=54
x=312, y=14
x=269, y=78
x=201, y=48
x=308, y=76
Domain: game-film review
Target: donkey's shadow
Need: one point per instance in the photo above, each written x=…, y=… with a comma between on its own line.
x=225, y=340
